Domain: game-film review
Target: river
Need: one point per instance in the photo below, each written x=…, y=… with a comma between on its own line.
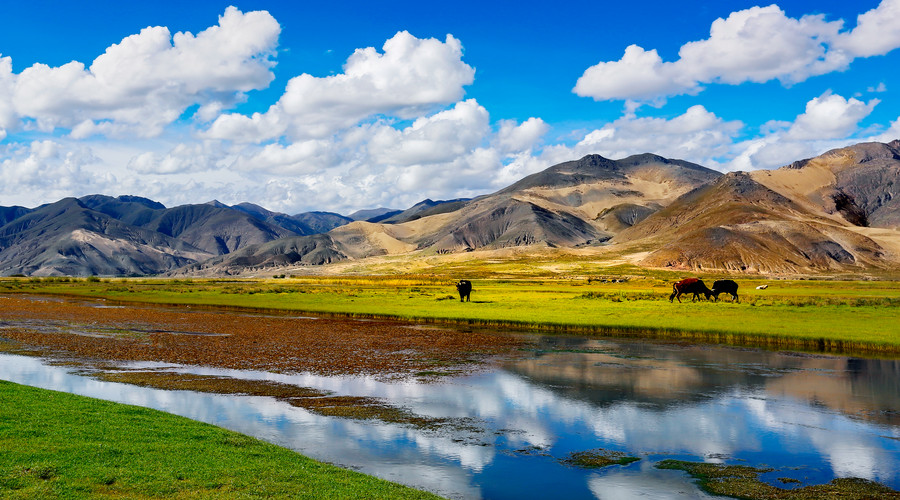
x=811, y=417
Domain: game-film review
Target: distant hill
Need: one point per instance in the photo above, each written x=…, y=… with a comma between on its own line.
x=130, y=235
x=559, y=207
x=860, y=184
x=374, y=214
x=304, y=224
x=69, y=238
x=422, y=209
x=835, y=212
x=8, y=214
x=737, y=224
x=321, y=222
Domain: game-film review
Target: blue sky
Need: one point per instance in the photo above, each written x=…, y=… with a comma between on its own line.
x=353, y=105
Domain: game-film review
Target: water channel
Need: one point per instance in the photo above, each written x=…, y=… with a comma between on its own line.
x=811, y=417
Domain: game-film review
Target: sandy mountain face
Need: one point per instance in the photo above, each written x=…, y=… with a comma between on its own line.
x=739, y=224
x=858, y=184
x=576, y=203
x=833, y=212
x=593, y=186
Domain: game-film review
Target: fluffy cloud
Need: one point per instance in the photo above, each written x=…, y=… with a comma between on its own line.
x=434, y=139
x=183, y=158
x=758, y=44
x=697, y=135
x=450, y=153
x=410, y=77
x=48, y=170
x=146, y=81
x=513, y=137
x=877, y=31
x=640, y=74
x=298, y=158
x=761, y=44
x=7, y=83
x=830, y=116
x=829, y=121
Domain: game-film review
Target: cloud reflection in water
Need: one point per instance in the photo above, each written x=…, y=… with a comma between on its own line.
x=652, y=401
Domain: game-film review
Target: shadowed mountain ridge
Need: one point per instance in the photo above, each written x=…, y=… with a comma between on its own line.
x=834, y=212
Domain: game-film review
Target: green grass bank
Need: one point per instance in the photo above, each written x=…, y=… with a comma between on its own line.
x=58, y=445
x=837, y=316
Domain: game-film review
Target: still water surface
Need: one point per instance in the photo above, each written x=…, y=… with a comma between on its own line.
x=811, y=417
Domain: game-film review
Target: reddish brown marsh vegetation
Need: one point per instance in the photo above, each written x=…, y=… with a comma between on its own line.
x=235, y=340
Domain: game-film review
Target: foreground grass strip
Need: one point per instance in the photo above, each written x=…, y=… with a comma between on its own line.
x=740, y=481
x=58, y=445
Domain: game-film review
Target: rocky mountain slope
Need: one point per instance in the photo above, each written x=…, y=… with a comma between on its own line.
x=859, y=184
x=69, y=238
x=305, y=223
x=130, y=235
x=835, y=212
x=573, y=204
x=737, y=224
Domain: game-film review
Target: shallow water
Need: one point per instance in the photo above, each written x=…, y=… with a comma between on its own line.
x=811, y=417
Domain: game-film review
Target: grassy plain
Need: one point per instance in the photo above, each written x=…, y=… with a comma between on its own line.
x=58, y=445
x=841, y=316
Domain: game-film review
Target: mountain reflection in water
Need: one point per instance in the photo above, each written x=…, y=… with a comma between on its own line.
x=665, y=374
x=811, y=417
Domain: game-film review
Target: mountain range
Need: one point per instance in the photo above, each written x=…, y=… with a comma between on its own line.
x=834, y=212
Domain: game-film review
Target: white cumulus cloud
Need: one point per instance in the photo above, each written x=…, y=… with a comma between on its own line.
x=48, y=170
x=513, y=137
x=433, y=139
x=758, y=44
x=451, y=153
x=146, y=81
x=828, y=121
x=410, y=77
x=830, y=116
x=877, y=31
x=697, y=135
x=297, y=158
x=640, y=74
x=183, y=158
x=7, y=84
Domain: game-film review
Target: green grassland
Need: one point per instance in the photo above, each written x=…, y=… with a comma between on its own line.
x=58, y=445
x=840, y=316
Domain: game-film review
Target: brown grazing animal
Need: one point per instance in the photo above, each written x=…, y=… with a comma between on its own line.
x=693, y=286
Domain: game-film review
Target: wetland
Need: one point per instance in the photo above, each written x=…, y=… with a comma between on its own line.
x=476, y=413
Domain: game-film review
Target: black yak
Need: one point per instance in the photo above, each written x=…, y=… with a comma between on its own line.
x=725, y=286
x=464, y=287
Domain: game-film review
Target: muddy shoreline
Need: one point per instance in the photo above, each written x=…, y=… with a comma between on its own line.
x=97, y=331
